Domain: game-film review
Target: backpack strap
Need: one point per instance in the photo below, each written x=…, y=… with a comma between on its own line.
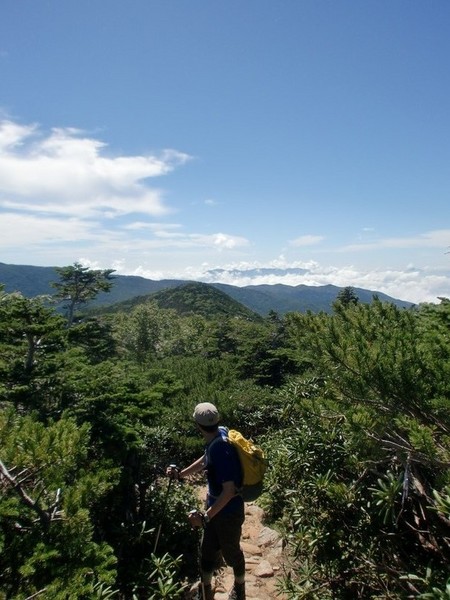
x=223, y=436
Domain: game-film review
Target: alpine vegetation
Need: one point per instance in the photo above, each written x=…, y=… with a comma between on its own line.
x=350, y=409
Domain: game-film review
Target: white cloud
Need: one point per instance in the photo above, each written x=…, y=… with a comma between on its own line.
x=65, y=172
x=18, y=230
x=439, y=238
x=306, y=240
x=223, y=240
x=33, y=235
x=92, y=206
x=13, y=135
x=175, y=239
x=156, y=228
x=413, y=284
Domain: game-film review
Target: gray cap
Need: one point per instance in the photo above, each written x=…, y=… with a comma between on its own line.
x=206, y=414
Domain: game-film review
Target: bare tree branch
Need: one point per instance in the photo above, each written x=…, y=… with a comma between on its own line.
x=36, y=594
x=45, y=516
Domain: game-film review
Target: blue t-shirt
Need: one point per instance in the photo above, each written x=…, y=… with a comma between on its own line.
x=222, y=464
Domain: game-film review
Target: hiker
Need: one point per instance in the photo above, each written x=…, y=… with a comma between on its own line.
x=224, y=516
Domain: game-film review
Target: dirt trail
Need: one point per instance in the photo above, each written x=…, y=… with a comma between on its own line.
x=263, y=551
x=263, y=558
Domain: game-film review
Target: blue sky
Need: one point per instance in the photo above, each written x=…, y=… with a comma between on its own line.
x=282, y=141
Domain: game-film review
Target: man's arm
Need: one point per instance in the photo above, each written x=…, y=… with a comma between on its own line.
x=229, y=491
x=195, y=467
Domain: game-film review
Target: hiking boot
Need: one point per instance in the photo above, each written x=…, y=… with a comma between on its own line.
x=238, y=592
x=207, y=593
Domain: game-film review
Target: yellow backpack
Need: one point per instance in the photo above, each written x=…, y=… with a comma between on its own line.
x=253, y=463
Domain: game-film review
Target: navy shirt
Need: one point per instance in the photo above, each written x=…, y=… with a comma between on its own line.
x=222, y=464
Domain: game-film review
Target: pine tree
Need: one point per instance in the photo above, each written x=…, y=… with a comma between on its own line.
x=80, y=284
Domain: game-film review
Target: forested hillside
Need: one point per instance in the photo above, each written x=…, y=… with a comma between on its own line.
x=187, y=298
x=351, y=408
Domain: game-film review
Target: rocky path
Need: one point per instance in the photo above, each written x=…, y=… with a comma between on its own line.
x=263, y=551
x=263, y=556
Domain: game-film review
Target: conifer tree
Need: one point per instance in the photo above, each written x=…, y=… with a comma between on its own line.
x=49, y=485
x=80, y=284
x=346, y=297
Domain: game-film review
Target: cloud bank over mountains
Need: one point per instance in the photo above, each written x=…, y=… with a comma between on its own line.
x=413, y=285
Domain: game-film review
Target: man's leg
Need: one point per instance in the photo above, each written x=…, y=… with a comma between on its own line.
x=209, y=559
x=228, y=529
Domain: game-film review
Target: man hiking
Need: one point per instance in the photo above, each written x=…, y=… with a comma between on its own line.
x=224, y=514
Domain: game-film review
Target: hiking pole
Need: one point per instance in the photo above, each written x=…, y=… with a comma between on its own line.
x=201, y=593
x=166, y=497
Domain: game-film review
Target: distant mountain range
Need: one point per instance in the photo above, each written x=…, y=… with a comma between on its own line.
x=34, y=281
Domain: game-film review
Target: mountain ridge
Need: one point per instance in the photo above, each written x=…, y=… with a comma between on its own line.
x=33, y=281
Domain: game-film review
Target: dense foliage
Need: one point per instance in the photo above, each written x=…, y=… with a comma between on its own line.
x=352, y=409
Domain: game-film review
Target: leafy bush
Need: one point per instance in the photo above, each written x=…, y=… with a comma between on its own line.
x=360, y=468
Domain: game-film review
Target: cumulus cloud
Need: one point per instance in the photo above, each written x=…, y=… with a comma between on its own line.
x=223, y=240
x=66, y=172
